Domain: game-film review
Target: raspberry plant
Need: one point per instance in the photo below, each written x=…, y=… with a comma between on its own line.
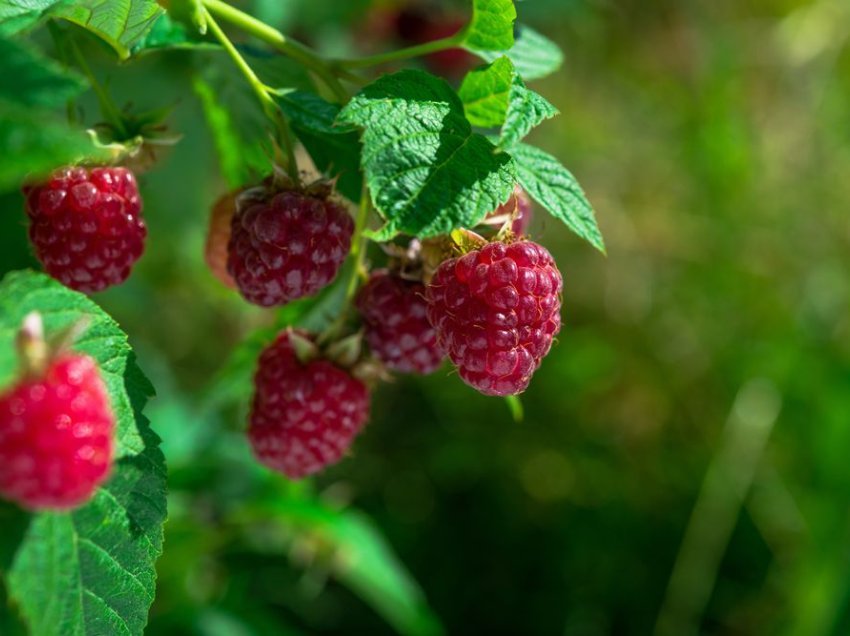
x=378, y=211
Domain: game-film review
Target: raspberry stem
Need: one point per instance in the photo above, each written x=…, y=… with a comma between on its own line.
x=262, y=92
x=301, y=53
x=453, y=41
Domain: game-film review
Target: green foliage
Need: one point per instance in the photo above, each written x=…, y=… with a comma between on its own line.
x=491, y=27
x=495, y=95
x=90, y=571
x=18, y=15
x=32, y=80
x=533, y=55
x=427, y=172
x=360, y=557
x=556, y=189
x=118, y=22
x=485, y=93
x=38, y=142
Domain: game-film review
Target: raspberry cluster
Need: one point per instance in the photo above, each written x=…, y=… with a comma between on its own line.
x=286, y=245
x=86, y=226
x=56, y=435
x=495, y=311
x=397, y=328
x=305, y=415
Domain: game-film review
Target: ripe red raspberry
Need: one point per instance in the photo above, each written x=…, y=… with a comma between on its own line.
x=218, y=236
x=519, y=204
x=86, y=226
x=56, y=435
x=397, y=329
x=496, y=310
x=286, y=245
x=305, y=415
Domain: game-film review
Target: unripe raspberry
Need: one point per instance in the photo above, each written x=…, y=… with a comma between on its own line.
x=56, y=435
x=86, y=226
x=396, y=324
x=305, y=415
x=218, y=236
x=286, y=245
x=495, y=311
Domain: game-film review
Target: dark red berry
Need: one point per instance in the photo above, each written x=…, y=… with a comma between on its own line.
x=517, y=206
x=305, y=416
x=286, y=245
x=396, y=324
x=86, y=226
x=495, y=311
x=56, y=435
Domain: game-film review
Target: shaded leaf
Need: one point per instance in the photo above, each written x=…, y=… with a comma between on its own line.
x=556, y=189
x=17, y=15
x=39, y=142
x=33, y=80
x=526, y=109
x=335, y=149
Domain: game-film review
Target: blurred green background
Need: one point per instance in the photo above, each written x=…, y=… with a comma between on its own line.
x=682, y=467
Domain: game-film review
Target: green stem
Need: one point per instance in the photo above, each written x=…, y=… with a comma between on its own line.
x=289, y=47
x=269, y=105
x=419, y=50
x=358, y=269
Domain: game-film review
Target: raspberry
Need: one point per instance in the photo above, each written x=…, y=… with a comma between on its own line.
x=218, y=235
x=86, y=226
x=397, y=328
x=56, y=435
x=495, y=311
x=305, y=415
x=518, y=204
x=286, y=245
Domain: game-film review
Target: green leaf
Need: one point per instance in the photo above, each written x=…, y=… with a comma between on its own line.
x=491, y=27
x=118, y=22
x=17, y=15
x=33, y=80
x=90, y=571
x=335, y=149
x=496, y=96
x=38, y=142
x=534, y=56
x=526, y=109
x=556, y=189
x=360, y=558
x=427, y=172
x=485, y=92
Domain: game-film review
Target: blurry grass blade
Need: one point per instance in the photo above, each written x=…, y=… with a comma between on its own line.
x=361, y=559
x=727, y=482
